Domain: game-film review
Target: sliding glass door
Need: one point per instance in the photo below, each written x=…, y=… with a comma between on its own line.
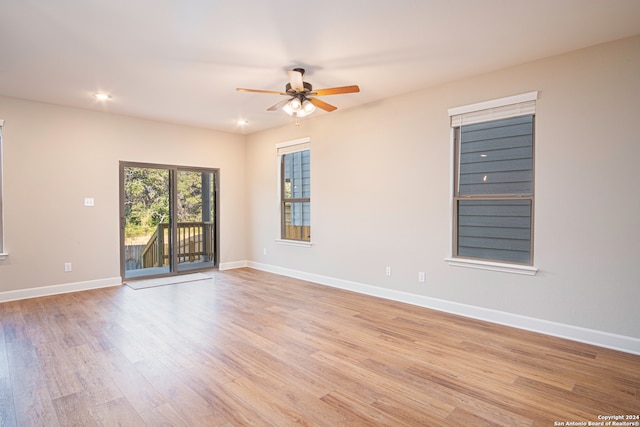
x=145, y=220
x=195, y=212
x=168, y=219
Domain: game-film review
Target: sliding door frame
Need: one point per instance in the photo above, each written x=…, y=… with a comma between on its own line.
x=173, y=196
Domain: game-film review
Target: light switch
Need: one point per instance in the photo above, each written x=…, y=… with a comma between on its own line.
x=88, y=201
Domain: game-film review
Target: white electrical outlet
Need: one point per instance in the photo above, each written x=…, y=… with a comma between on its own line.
x=388, y=271
x=264, y=251
x=67, y=267
x=89, y=202
x=421, y=276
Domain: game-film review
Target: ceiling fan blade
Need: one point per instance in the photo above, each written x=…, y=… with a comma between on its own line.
x=295, y=78
x=278, y=105
x=273, y=92
x=321, y=104
x=336, y=90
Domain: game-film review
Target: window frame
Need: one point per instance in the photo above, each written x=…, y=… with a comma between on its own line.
x=283, y=149
x=3, y=254
x=503, y=108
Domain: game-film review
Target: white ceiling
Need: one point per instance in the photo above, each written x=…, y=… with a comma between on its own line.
x=181, y=60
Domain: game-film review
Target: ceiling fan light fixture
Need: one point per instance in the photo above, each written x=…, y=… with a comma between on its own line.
x=308, y=107
x=295, y=104
x=287, y=109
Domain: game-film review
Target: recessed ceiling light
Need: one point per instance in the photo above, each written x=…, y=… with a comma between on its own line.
x=102, y=96
x=242, y=122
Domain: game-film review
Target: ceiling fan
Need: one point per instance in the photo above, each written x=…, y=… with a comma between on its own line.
x=301, y=102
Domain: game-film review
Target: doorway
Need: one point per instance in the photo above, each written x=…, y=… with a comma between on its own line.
x=168, y=218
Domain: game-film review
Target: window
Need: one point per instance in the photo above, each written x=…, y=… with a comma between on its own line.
x=295, y=190
x=2, y=253
x=493, y=194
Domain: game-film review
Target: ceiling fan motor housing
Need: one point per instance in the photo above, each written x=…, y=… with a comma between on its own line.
x=307, y=88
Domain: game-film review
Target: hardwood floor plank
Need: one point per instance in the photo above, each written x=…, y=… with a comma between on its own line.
x=57, y=369
x=460, y=417
x=76, y=410
x=565, y=397
x=127, y=343
x=164, y=415
x=407, y=393
x=139, y=392
x=119, y=412
x=510, y=399
x=7, y=409
x=249, y=348
x=216, y=392
x=355, y=412
x=280, y=410
x=626, y=399
x=191, y=406
x=96, y=382
x=499, y=415
x=25, y=370
x=382, y=389
x=35, y=408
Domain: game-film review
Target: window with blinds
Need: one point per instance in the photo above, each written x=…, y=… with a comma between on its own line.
x=493, y=182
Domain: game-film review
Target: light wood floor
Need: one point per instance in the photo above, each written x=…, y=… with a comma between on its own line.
x=248, y=348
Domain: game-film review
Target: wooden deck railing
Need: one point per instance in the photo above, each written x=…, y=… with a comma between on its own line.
x=194, y=242
x=297, y=232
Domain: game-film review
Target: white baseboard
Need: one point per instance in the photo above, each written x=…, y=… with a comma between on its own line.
x=59, y=289
x=574, y=333
x=231, y=265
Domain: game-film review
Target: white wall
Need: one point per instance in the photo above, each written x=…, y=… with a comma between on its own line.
x=381, y=193
x=54, y=157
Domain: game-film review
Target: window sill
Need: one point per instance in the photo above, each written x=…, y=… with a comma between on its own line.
x=300, y=243
x=493, y=266
x=3, y=256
